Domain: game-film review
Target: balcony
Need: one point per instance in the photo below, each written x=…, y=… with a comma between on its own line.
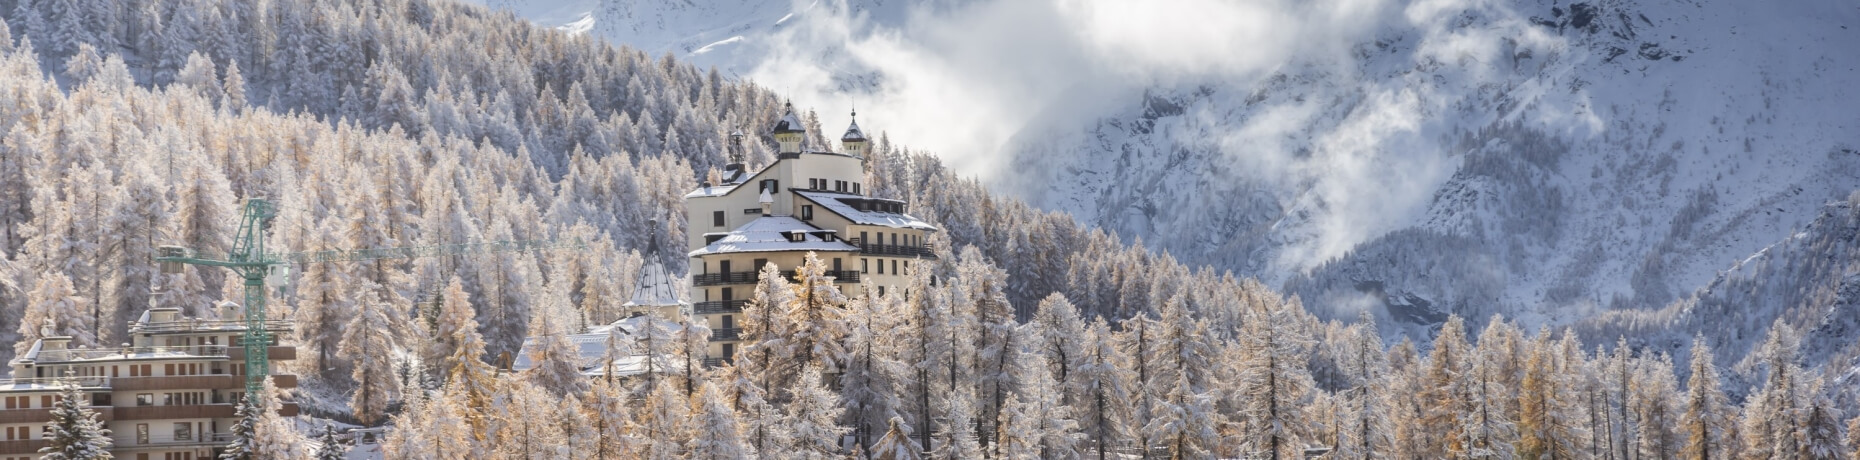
x=129, y=439
x=881, y=249
x=725, y=333
x=719, y=306
x=718, y=279
x=729, y=278
x=277, y=353
x=79, y=354
x=176, y=411
x=23, y=446
x=199, y=325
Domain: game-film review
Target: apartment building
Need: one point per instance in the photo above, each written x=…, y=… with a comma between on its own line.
x=169, y=395
x=806, y=201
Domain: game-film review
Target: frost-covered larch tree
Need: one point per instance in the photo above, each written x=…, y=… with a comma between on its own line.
x=1653, y=398
x=716, y=435
x=53, y=306
x=815, y=320
x=693, y=342
x=1103, y=386
x=813, y=415
x=1061, y=330
x=1708, y=421
x=1772, y=414
x=369, y=342
x=557, y=360
x=984, y=298
x=1368, y=431
x=1183, y=419
x=871, y=382
x=1547, y=426
x=1485, y=428
x=663, y=425
x=763, y=333
x=74, y=432
x=896, y=445
x=1273, y=382
x=1443, y=386
x=610, y=419
x=1038, y=397
x=454, y=316
x=1821, y=432
x=523, y=421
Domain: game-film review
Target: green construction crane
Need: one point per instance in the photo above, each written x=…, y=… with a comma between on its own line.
x=250, y=261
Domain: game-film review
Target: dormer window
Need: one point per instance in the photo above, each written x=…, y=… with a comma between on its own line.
x=797, y=237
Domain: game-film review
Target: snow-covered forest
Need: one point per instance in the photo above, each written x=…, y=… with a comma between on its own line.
x=380, y=123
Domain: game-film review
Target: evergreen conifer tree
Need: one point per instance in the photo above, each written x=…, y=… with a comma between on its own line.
x=328, y=447
x=718, y=434
x=1707, y=421
x=74, y=432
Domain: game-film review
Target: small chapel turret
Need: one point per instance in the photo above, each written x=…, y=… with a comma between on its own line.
x=854, y=142
x=788, y=132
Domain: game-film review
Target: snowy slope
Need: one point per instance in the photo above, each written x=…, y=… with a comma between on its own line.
x=1543, y=159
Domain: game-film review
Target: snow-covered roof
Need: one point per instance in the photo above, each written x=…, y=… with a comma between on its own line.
x=772, y=233
x=714, y=190
x=656, y=287
x=853, y=133
x=831, y=200
x=591, y=346
x=789, y=123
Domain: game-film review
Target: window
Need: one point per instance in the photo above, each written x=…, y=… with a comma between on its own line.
x=855, y=188
x=771, y=185
x=881, y=291
x=894, y=268
x=807, y=212
x=836, y=265
x=183, y=431
x=881, y=266
x=863, y=239
x=864, y=264
x=145, y=399
x=759, y=264
x=729, y=321
x=716, y=218
x=729, y=351
x=142, y=433
x=729, y=294
x=723, y=266
x=813, y=184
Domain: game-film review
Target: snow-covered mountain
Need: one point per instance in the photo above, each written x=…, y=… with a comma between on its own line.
x=1546, y=160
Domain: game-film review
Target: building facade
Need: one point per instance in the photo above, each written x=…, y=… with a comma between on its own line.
x=170, y=395
x=806, y=201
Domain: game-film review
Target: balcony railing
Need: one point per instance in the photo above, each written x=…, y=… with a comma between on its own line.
x=193, y=325
x=719, y=306
x=725, y=333
x=881, y=249
x=174, y=411
x=24, y=446
x=75, y=354
x=276, y=353
x=129, y=439
x=727, y=278
x=715, y=279
x=54, y=382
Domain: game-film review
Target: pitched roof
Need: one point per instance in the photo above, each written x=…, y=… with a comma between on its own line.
x=656, y=287
x=831, y=201
x=772, y=233
x=788, y=122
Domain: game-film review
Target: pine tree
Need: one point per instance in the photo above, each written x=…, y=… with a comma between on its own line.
x=718, y=436
x=1707, y=419
x=368, y=342
x=243, y=432
x=74, y=432
x=328, y=447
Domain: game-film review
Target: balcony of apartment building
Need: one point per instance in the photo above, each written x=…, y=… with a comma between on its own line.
x=902, y=250
x=750, y=277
